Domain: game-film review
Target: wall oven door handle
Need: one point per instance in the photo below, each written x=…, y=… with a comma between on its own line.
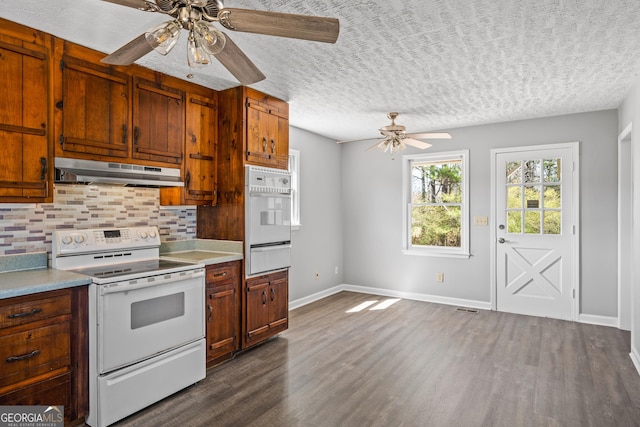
x=273, y=194
x=270, y=248
x=127, y=286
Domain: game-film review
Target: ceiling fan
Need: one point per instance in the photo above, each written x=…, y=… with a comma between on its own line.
x=205, y=40
x=395, y=138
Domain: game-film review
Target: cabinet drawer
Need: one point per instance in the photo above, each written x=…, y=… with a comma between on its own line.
x=23, y=310
x=34, y=352
x=54, y=391
x=221, y=273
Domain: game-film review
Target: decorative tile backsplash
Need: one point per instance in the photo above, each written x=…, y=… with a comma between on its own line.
x=29, y=229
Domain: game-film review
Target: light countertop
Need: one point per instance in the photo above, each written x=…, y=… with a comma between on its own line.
x=202, y=257
x=18, y=283
x=202, y=251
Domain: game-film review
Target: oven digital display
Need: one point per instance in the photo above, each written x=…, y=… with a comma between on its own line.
x=111, y=234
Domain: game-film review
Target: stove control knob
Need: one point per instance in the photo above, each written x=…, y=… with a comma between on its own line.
x=152, y=234
x=143, y=234
x=66, y=240
x=79, y=238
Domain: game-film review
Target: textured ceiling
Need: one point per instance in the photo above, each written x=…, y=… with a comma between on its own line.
x=440, y=63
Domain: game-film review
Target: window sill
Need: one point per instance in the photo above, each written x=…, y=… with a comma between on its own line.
x=459, y=255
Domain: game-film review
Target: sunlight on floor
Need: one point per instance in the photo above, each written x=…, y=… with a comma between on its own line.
x=381, y=306
x=385, y=304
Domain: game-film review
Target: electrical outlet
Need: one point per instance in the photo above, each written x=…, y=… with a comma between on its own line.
x=439, y=277
x=336, y=269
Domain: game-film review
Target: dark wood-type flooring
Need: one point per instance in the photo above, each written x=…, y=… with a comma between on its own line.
x=415, y=364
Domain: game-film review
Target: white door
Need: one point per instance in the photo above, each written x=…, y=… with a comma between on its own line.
x=535, y=235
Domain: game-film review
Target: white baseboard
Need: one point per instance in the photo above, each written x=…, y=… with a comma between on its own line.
x=635, y=358
x=390, y=293
x=593, y=319
x=314, y=297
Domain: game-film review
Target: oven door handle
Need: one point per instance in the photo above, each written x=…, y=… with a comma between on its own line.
x=126, y=286
x=270, y=248
x=274, y=194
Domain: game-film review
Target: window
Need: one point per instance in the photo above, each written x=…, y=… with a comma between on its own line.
x=294, y=168
x=435, y=199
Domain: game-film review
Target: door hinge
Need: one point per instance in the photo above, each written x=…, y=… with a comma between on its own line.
x=61, y=65
x=61, y=140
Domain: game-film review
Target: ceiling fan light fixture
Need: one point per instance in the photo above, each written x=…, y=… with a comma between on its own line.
x=209, y=38
x=163, y=37
x=197, y=56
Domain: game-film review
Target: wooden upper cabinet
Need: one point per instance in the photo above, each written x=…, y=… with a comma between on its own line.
x=94, y=104
x=267, y=130
x=25, y=67
x=158, y=122
x=199, y=166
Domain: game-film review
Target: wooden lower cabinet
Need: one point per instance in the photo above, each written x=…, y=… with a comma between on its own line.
x=222, y=311
x=266, y=307
x=44, y=351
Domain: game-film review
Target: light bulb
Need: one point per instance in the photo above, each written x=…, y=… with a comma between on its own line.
x=211, y=40
x=162, y=38
x=196, y=55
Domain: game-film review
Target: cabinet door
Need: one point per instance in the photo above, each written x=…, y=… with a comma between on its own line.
x=223, y=310
x=258, y=135
x=257, y=309
x=278, y=302
x=24, y=120
x=95, y=110
x=199, y=167
x=158, y=119
x=280, y=153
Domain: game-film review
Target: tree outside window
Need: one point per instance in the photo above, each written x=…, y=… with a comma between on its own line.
x=435, y=196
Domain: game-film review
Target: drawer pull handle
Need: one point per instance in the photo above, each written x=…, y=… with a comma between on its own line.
x=210, y=312
x=224, y=273
x=34, y=353
x=25, y=314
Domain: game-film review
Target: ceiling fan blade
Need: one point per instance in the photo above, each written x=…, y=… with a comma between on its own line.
x=376, y=145
x=238, y=64
x=130, y=52
x=355, y=140
x=432, y=135
x=303, y=27
x=415, y=143
x=136, y=4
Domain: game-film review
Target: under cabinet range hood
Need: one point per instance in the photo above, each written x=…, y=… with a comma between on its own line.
x=94, y=172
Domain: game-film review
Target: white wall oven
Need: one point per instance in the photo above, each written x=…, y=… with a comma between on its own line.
x=146, y=318
x=268, y=219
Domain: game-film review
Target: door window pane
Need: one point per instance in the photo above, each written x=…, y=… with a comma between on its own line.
x=552, y=170
x=532, y=222
x=552, y=196
x=514, y=222
x=532, y=171
x=532, y=197
x=514, y=197
x=552, y=224
x=514, y=173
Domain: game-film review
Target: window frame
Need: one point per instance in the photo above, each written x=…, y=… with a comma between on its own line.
x=435, y=251
x=294, y=169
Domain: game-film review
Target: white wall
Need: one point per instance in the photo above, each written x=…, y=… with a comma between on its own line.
x=629, y=113
x=373, y=211
x=317, y=245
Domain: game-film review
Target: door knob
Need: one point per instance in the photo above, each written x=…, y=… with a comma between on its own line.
x=501, y=227
x=501, y=240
